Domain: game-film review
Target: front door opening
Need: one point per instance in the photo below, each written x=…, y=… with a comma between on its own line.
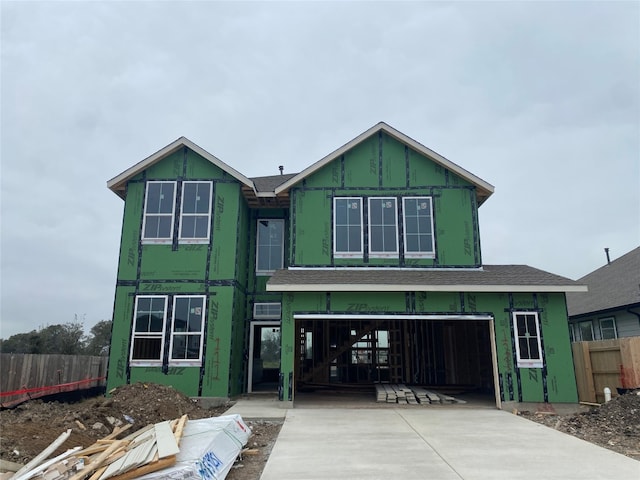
x=264, y=367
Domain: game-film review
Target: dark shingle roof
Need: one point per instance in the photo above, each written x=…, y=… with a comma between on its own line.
x=614, y=285
x=269, y=184
x=495, y=278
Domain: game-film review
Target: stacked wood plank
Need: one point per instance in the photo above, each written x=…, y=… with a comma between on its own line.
x=401, y=394
x=148, y=450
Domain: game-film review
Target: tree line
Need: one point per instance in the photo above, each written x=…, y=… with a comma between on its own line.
x=67, y=339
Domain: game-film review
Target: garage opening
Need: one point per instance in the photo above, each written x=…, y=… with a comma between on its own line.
x=452, y=355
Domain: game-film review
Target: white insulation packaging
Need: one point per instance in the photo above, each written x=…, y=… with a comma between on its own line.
x=208, y=448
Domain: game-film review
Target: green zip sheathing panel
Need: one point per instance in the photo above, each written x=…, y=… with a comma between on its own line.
x=553, y=383
x=382, y=166
x=217, y=270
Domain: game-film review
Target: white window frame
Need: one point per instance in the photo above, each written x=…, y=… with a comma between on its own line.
x=274, y=311
x=383, y=253
x=527, y=362
x=347, y=253
x=262, y=272
x=593, y=335
x=153, y=335
x=200, y=333
x=419, y=254
x=615, y=328
x=146, y=216
x=183, y=215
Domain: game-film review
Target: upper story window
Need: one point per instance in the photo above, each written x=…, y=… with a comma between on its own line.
x=195, y=214
x=159, y=205
x=526, y=327
x=269, y=246
x=383, y=227
x=347, y=231
x=418, y=227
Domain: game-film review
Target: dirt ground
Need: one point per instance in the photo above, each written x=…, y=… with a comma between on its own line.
x=27, y=429
x=30, y=427
x=614, y=425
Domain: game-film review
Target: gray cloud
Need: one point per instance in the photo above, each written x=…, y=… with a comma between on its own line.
x=540, y=99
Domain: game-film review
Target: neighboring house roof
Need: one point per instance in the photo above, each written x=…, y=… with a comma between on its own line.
x=490, y=278
x=613, y=286
x=483, y=189
x=269, y=184
x=118, y=184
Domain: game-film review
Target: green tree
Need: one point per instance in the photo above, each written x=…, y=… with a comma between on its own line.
x=99, y=338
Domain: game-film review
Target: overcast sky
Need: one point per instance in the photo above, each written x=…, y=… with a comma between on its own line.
x=540, y=99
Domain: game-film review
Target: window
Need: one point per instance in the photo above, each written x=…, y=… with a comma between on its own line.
x=527, y=336
x=148, y=330
x=586, y=331
x=159, y=207
x=195, y=214
x=418, y=227
x=383, y=227
x=347, y=232
x=270, y=246
x=187, y=329
x=608, y=328
x=264, y=311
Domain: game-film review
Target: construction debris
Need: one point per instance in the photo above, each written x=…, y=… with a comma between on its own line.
x=401, y=394
x=191, y=448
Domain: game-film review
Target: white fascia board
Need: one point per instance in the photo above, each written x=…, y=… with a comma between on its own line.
x=425, y=288
x=169, y=149
x=385, y=316
x=387, y=269
x=398, y=136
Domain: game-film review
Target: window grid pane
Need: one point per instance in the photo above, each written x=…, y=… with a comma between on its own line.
x=195, y=216
x=158, y=211
x=418, y=226
x=148, y=329
x=348, y=226
x=528, y=343
x=383, y=236
x=188, y=328
x=270, y=246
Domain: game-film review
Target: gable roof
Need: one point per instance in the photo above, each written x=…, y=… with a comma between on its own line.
x=483, y=189
x=118, y=184
x=491, y=278
x=611, y=286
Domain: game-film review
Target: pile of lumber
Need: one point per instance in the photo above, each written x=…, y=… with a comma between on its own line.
x=401, y=394
x=150, y=449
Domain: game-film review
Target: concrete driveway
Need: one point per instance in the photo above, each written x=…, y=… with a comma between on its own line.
x=433, y=443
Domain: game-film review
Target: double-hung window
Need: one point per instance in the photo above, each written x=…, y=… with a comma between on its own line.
x=347, y=232
x=270, y=246
x=608, y=328
x=383, y=227
x=150, y=330
x=149, y=321
x=195, y=213
x=418, y=227
x=187, y=329
x=526, y=327
x=159, y=205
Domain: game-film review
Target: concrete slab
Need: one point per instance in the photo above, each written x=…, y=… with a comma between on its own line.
x=260, y=407
x=439, y=443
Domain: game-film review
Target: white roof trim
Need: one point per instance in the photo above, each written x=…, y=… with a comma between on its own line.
x=117, y=181
x=387, y=269
x=386, y=316
x=298, y=287
x=398, y=136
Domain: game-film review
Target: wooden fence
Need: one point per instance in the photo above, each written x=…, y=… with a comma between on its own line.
x=606, y=363
x=25, y=376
